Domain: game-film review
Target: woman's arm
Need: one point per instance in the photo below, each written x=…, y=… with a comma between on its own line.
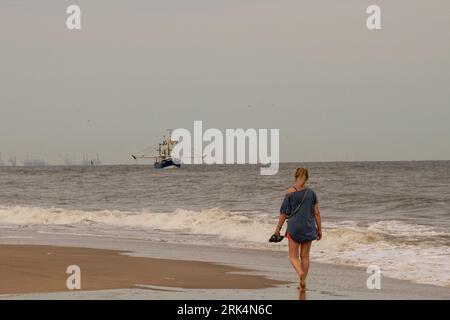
x=281, y=220
x=285, y=210
x=318, y=221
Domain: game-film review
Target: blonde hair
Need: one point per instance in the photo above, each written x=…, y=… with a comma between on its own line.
x=301, y=172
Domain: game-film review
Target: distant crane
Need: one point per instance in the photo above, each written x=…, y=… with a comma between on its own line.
x=67, y=161
x=91, y=162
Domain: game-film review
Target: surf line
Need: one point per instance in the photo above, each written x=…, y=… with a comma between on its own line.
x=188, y=310
x=236, y=148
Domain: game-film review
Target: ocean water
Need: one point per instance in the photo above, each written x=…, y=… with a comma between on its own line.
x=392, y=214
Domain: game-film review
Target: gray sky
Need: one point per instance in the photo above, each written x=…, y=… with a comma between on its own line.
x=336, y=90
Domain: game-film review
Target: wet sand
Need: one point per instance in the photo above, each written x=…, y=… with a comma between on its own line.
x=37, y=268
x=325, y=281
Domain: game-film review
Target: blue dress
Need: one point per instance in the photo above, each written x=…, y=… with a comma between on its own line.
x=302, y=225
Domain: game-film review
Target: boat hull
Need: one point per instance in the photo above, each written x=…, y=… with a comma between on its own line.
x=166, y=163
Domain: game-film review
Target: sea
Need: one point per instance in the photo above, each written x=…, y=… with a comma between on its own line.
x=394, y=215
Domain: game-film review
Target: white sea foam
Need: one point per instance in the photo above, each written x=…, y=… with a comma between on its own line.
x=402, y=250
x=412, y=255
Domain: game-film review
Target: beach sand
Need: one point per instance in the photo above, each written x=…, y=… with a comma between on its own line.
x=118, y=268
x=33, y=268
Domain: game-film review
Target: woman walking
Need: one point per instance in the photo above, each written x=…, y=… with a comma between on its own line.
x=301, y=207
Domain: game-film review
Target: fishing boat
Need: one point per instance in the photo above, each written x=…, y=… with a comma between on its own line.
x=164, y=157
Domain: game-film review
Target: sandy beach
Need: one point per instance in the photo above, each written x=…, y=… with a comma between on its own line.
x=33, y=268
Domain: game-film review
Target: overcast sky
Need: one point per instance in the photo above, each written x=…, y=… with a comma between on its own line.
x=336, y=90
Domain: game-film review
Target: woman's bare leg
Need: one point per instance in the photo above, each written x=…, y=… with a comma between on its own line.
x=304, y=257
x=294, y=250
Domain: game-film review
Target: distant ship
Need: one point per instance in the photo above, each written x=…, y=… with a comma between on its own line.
x=34, y=162
x=164, y=157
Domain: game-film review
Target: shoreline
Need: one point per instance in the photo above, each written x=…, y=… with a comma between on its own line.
x=38, y=269
x=325, y=281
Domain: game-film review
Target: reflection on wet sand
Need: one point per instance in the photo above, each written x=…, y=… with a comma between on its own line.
x=302, y=295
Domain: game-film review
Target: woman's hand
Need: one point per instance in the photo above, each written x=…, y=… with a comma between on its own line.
x=280, y=223
x=277, y=230
x=319, y=235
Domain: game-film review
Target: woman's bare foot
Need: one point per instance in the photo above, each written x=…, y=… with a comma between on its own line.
x=302, y=283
